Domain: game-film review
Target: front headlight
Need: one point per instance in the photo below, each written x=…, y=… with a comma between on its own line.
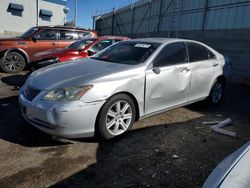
x=48, y=61
x=67, y=94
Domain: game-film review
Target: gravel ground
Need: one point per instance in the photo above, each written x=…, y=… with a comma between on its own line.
x=173, y=149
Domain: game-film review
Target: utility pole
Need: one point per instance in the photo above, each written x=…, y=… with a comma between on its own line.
x=37, y=12
x=75, y=17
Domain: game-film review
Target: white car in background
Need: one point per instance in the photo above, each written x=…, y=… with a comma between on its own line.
x=233, y=171
x=121, y=84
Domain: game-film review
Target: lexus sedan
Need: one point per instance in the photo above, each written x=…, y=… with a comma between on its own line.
x=127, y=81
x=80, y=49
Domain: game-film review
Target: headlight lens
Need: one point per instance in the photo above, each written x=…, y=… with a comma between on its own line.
x=48, y=61
x=67, y=94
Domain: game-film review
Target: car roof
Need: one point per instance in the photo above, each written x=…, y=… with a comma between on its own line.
x=65, y=27
x=113, y=36
x=160, y=40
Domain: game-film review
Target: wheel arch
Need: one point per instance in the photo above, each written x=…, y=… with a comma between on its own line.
x=222, y=79
x=20, y=51
x=122, y=92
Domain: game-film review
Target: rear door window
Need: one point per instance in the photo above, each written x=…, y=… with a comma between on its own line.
x=211, y=55
x=84, y=34
x=197, y=52
x=46, y=34
x=172, y=54
x=68, y=35
x=101, y=45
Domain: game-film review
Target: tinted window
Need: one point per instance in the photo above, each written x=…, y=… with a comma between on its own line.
x=29, y=32
x=83, y=35
x=80, y=45
x=129, y=52
x=171, y=54
x=47, y=34
x=211, y=55
x=101, y=45
x=197, y=52
x=117, y=40
x=68, y=35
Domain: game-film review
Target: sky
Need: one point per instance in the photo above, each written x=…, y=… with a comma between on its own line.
x=87, y=8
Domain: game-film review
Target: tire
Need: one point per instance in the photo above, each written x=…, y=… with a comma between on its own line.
x=116, y=116
x=217, y=93
x=14, y=62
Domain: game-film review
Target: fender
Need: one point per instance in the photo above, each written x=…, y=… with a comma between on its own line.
x=17, y=50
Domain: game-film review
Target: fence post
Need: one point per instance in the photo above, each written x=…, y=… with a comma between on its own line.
x=113, y=22
x=159, y=19
x=205, y=15
x=132, y=19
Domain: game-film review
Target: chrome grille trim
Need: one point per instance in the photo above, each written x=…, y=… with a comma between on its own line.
x=30, y=93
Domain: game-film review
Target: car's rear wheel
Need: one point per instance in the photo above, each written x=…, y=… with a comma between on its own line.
x=217, y=93
x=116, y=116
x=14, y=62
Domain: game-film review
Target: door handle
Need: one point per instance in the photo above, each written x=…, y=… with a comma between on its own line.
x=215, y=64
x=53, y=43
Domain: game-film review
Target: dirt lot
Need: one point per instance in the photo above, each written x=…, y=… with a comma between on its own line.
x=145, y=157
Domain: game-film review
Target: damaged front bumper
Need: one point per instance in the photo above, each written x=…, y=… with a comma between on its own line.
x=74, y=119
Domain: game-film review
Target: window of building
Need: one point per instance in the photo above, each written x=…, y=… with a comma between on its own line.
x=15, y=9
x=45, y=15
x=171, y=54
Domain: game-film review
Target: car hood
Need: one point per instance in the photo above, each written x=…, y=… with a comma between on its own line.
x=12, y=39
x=233, y=171
x=52, y=53
x=77, y=73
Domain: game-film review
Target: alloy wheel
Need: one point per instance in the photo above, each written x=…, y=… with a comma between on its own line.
x=119, y=117
x=12, y=62
x=217, y=92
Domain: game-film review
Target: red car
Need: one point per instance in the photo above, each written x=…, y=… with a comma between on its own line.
x=80, y=49
x=16, y=53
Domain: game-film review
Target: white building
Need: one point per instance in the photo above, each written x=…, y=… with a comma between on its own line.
x=17, y=16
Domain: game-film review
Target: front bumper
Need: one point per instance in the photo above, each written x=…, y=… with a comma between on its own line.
x=74, y=119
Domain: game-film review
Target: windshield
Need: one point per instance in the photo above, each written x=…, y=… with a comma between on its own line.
x=29, y=32
x=80, y=45
x=129, y=52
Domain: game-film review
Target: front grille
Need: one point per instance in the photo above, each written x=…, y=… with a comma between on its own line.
x=30, y=93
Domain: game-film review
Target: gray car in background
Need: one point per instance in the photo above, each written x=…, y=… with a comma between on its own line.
x=127, y=81
x=233, y=171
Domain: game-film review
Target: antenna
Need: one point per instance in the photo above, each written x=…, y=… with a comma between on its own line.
x=75, y=17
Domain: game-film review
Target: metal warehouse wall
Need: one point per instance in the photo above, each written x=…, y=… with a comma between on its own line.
x=172, y=16
x=223, y=24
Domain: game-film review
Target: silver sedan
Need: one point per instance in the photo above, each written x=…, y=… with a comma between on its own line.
x=128, y=81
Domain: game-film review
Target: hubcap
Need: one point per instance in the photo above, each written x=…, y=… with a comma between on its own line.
x=118, y=118
x=217, y=92
x=12, y=62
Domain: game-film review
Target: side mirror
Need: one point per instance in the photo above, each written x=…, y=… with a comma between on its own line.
x=90, y=53
x=156, y=70
x=35, y=38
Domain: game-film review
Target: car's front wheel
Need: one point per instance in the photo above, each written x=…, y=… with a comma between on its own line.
x=217, y=92
x=116, y=116
x=12, y=63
